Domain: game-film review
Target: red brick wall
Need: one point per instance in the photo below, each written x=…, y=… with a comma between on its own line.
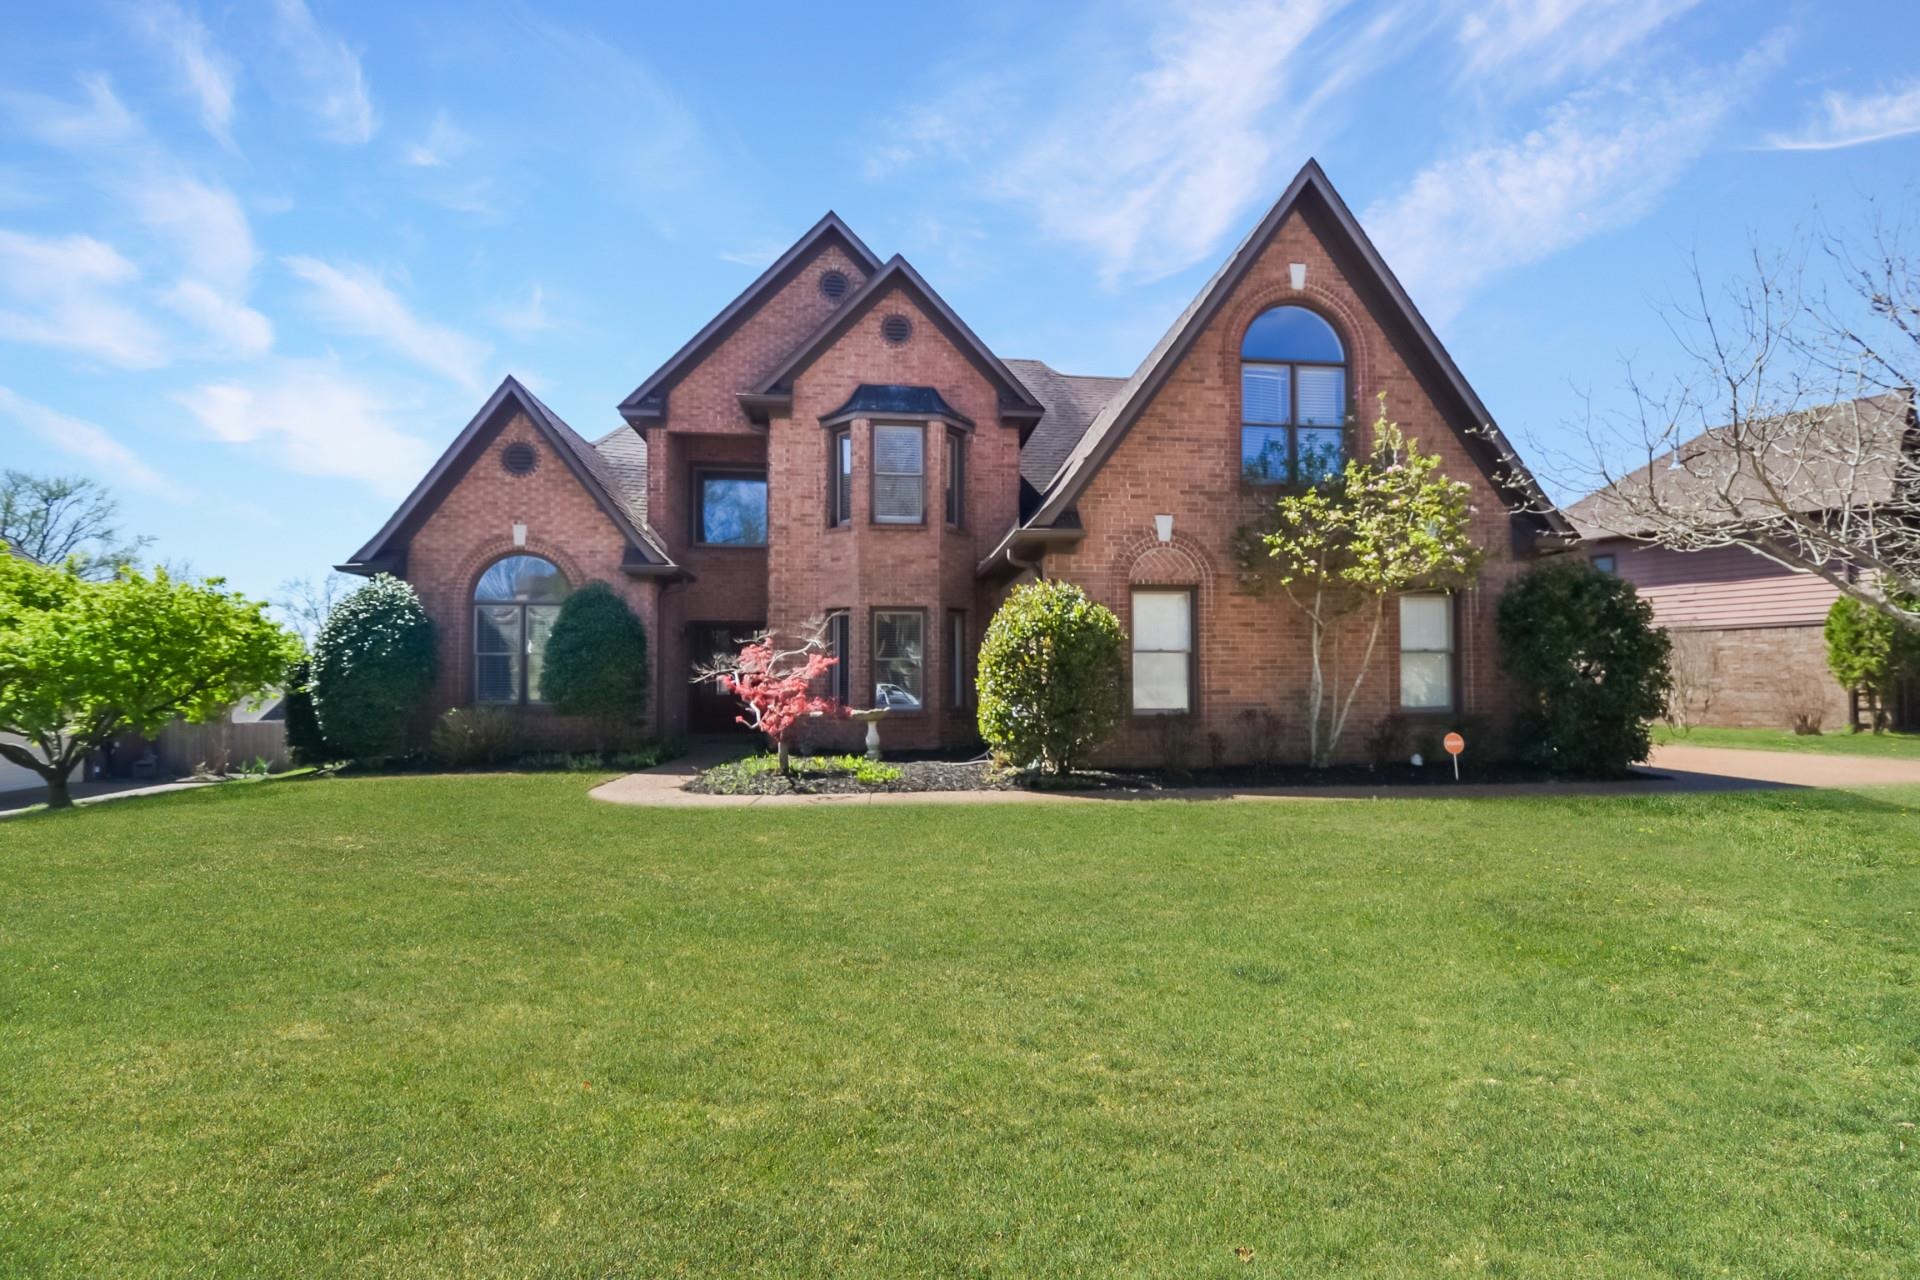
x=473, y=526
x=1182, y=458
x=863, y=566
x=1757, y=677
x=705, y=426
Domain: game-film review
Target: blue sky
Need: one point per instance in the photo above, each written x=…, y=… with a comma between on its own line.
x=261, y=260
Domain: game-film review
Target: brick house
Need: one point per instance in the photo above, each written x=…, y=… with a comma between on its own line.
x=1749, y=634
x=837, y=443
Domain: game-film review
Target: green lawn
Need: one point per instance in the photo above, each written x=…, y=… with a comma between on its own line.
x=485, y=1026
x=1898, y=745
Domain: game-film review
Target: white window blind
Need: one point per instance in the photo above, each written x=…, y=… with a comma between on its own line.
x=1426, y=653
x=1162, y=650
x=899, y=470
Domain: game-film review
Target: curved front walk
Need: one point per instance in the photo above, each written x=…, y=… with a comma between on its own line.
x=1673, y=770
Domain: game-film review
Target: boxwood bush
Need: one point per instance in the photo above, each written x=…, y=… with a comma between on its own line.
x=1051, y=669
x=1589, y=668
x=596, y=661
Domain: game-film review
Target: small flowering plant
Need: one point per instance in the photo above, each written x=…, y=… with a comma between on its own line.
x=775, y=685
x=1386, y=523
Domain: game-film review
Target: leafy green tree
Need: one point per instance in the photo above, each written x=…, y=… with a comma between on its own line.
x=1588, y=665
x=1050, y=675
x=52, y=519
x=1388, y=522
x=596, y=663
x=82, y=660
x=1870, y=652
x=305, y=743
x=373, y=663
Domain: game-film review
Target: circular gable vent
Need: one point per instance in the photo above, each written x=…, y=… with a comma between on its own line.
x=834, y=285
x=896, y=329
x=519, y=459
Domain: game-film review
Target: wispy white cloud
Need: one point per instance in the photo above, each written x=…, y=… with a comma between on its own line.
x=356, y=300
x=1539, y=41
x=203, y=71
x=100, y=118
x=85, y=440
x=327, y=74
x=1852, y=120
x=237, y=329
x=65, y=292
x=525, y=315
x=1149, y=161
x=201, y=222
x=1601, y=159
x=312, y=419
x=442, y=144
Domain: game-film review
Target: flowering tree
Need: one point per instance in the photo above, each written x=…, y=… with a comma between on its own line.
x=775, y=685
x=1388, y=522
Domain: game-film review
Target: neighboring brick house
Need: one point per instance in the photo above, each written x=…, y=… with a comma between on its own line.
x=837, y=443
x=1749, y=633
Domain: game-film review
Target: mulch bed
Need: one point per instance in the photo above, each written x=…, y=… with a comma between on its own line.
x=981, y=775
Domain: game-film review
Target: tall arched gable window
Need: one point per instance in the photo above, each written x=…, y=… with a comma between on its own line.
x=1293, y=398
x=514, y=605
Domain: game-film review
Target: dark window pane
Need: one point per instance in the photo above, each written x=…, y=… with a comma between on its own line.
x=1292, y=333
x=1320, y=449
x=956, y=478
x=540, y=619
x=733, y=510
x=842, y=477
x=1263, y=455
x=898, y=661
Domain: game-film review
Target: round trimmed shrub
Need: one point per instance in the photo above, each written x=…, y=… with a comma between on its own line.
x=373, y=663
x=1051, y=669
x=596, y=661
x=1588, y=666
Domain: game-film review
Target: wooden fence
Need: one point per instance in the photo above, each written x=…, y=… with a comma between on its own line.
x=221, y=746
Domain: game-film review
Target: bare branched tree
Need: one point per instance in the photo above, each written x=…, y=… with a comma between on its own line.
x=50, y=519
x=1792, y=432
x=304, y=604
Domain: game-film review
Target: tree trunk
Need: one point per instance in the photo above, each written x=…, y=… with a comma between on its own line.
x=58, y=795
x=786, y=767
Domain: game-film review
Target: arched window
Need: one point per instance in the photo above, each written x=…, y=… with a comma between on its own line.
x=1293, y=398
x=514, y=605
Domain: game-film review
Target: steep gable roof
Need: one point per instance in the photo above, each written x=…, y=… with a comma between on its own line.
x=599, y=475
x=1309, y=189
x=648, y=401
x=1016, y=402
x=1072, y=401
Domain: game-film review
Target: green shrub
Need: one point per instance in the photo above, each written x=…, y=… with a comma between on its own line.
x=1588, y=665
x=596, y=662
x=305, y=743
x=1051, y=669
x=373, y=662
x=1869, y=652
x=468, y=736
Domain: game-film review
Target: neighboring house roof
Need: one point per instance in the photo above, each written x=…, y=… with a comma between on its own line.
x=1850, y=453
x=648, y=403
x=1309, y=189
x=776, y=389
x=1071, y=401
x=607, y=480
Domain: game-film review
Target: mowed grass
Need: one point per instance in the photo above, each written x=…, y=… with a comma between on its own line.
x=1899, y=746
x=486, y=1026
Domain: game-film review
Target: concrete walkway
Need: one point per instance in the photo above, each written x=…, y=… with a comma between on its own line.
x=1673, y=770
x=14, y=802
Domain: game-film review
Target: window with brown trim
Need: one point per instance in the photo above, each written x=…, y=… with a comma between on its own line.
x=899, y=473
x=1293, y=398
x=514, y=607
x=840, y=647
x=840, y=477
x=1162, y=651
x=899, y=659
x=730, y=508
x=959, y=670
x=956, y=478
x=1426, y=653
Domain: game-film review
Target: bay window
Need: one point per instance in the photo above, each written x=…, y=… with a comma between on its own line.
x=899, y=659
x=899, y=473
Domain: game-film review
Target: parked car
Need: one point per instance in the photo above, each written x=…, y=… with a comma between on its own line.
x=894, y=698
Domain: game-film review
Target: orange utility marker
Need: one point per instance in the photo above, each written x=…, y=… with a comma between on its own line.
x=1454, y=744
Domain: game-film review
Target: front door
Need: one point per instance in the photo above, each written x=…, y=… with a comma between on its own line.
x=709, y=709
